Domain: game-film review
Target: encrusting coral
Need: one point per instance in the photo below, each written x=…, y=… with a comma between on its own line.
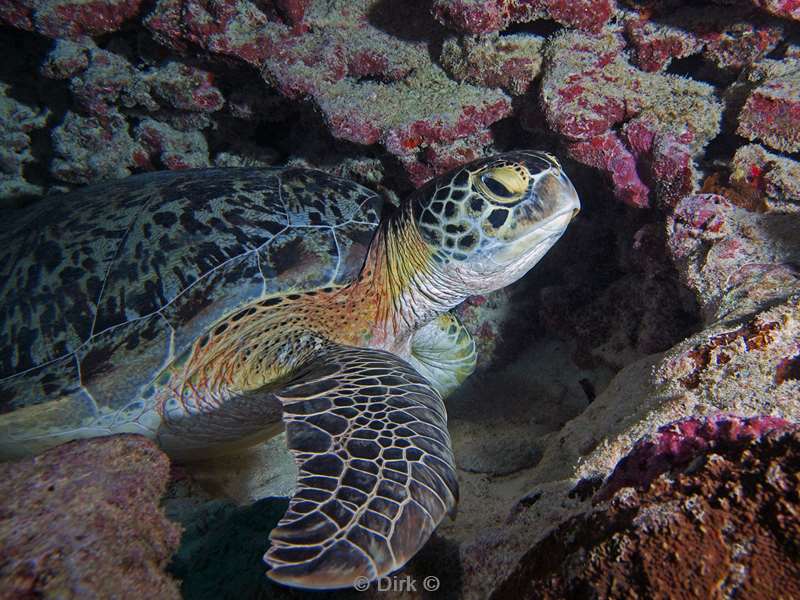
x=703, y=530
x=83, y=521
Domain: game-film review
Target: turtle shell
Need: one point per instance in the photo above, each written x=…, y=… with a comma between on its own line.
x=103, y=287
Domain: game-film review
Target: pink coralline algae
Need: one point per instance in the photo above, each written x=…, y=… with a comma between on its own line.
x=729, y=39
x=166, y=145
x=71, y=19
x=237, y=29
x=477, y=16
x=607, y=153
x=292, y=11
x=655, y=44
x=775, y=178
x=94, y=142
x=373, y=88
x=375, y=75
x=185, y=88
x=93, y=148
x=724, y=252
x=83, y=521
x=510, y=62
x=588, y=88
x=771, y=112
x=108, y=79
x=675, y=445
x=370, y=86
x=789, y=9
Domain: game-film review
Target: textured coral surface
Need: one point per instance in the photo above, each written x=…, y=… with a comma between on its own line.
x=771, y=112
x=175, y=77
x=476, y=16
x=677, y=444
x=83, y=521
x=589, y=87
x=726, y=526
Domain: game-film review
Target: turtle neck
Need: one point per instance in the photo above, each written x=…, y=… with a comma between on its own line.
x=405, y=283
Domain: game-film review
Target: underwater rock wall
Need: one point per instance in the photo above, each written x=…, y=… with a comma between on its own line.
x=678, y=122
x=703, y=531
x=149, y=99
x=165, y=84
x=83, y=521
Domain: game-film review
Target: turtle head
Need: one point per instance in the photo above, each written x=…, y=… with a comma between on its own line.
x=491, y=220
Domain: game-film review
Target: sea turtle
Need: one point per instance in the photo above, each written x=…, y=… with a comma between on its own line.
x=203, y=307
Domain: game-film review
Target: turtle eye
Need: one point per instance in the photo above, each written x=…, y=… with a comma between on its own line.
x=496, y=187
x=504, y=184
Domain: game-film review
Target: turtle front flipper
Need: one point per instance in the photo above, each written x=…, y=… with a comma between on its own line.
x=376, y=470
x=444, y=352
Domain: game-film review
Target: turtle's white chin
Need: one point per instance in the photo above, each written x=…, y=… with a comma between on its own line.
x=513, y=260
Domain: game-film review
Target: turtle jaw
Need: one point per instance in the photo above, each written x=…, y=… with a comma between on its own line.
x=507, y=261
x=529, y=249
x=512, y=261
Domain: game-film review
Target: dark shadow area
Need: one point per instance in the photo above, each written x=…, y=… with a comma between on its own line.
x=721, y=149
x=408, y=20
x=22, y=54
x=694, y=67
x=541, y=27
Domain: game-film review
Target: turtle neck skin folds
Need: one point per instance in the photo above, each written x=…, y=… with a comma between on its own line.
x=408, y=286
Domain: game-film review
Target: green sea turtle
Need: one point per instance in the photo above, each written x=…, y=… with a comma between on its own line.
x=202, y=308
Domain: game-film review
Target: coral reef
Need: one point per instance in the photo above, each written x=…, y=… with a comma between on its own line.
x=476, y=16
x=15, y=144
x=728, y=40
x=83, y=521
x=70, y=19
x=771, y=112
x=588, y=87
x=705, y=531
x=376, y=78
x=675, y=445
x=776, y=179
x=372, y=87
x=92, y=148
x=726, y=253
x=510, y=62
x=780, y=8
x=98, y=139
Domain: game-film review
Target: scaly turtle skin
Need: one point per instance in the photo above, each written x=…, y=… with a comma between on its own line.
x=204, y=308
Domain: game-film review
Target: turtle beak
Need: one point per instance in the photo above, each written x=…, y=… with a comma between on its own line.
x=575, y=212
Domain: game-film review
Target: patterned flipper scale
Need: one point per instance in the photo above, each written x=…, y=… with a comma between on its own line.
x=376, y=469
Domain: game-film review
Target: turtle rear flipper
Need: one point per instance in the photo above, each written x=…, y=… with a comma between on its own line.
x=376, y=470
